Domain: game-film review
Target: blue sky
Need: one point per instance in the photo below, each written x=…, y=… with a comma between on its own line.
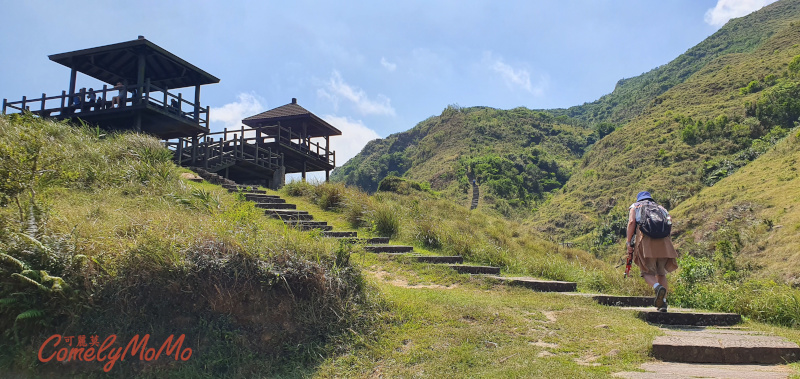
x=371, y=68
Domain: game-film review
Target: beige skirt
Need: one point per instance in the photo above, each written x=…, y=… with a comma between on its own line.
x=654, y=256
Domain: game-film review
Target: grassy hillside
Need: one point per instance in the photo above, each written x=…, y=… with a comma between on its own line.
x=446, y=324
x=100, y=236
x=518, y=155
x=750, y=218
x=716, y=86
x=700, y=131
x=632, y=96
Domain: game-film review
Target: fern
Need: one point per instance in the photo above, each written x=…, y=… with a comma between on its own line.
x=14, y=261
x=7, y=301
x=28, y=280
x=35, y=242
x=29, y=314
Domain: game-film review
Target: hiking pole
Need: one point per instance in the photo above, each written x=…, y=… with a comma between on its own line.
x=628, y=262
x=628, y=265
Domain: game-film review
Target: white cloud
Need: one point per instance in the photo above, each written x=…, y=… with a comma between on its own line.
x=388, y=65
x=337, y=89
x=230, y=115
x=515, y=77
x=728, y=9
x=355, y=136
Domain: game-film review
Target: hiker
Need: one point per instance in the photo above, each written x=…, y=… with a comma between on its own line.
x=648, y=240
x=118, y=100
x=91, y=98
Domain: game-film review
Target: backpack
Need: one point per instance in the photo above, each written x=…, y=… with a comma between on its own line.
x=653, y=220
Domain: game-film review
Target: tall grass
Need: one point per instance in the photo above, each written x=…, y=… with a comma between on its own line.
x=121, y=245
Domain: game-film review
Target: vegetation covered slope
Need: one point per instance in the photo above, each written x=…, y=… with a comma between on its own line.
x=631, y=96
x=674, y=131
x=519, y=154
x=439, y=150
x=698, y=132
x=751, y=217
x=99, y=236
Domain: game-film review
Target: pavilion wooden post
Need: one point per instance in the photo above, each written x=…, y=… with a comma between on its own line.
x=258, y=136
x=205, y=157
x=197, y=103
x=137, y=123
x=194, y=149
x=180, y=151
x=140, y=70
x=304, y=169
x=73, y=78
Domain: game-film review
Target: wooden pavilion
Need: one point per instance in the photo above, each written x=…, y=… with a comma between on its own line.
x=292, y=129
x=138, y=75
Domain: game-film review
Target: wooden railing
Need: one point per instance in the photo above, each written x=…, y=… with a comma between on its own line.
x=287, y=138
x=63, y=105
x=210, y=153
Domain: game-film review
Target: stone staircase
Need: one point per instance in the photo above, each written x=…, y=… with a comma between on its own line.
x=691, y=337
x=211, y=177
x=276, y=207
x=475, y=195
x=697, y=337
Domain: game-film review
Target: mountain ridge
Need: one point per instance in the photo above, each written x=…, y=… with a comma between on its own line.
x=674, y=130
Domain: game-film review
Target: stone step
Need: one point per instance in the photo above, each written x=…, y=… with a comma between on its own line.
x=245, y=189
x=261, y=198
x=688, y=317
x=388, y=248
x=268, y=201
x=370, y=241
x=283, y=214
x=340, y=234
x=538, y=284
x=308, y=225
x=316, y=223
x=661, y=370
x=466, y=269
x=438, y=259
x=275, y=206
x=724, y=346
x=624, y=301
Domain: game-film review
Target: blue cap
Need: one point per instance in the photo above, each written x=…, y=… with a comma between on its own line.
x=643, y=196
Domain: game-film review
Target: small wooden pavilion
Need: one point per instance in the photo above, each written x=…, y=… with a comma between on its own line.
x=138, y=75
x=292, y=130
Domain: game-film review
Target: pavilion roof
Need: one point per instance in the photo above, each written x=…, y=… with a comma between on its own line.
x=292, y=115
x=119, y=63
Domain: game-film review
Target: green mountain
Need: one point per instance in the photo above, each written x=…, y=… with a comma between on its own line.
x=519, y=154
x=675, y=130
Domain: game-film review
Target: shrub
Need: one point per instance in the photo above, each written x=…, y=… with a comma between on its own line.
x=426, y=232
x=329, y=196
x=384, y=221
x=752, y=87
x=298, y=188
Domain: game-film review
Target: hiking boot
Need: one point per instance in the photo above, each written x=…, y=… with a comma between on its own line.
x=664, y=308
x=660, y=293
